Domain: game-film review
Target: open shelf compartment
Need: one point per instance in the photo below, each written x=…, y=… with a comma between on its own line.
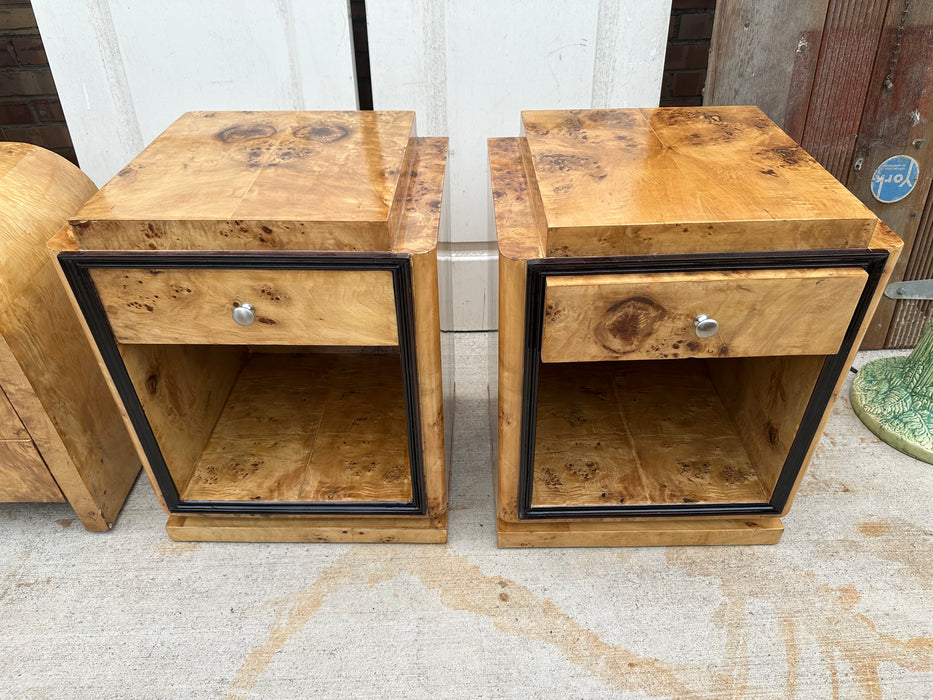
x=666, y=432
x=294, y=425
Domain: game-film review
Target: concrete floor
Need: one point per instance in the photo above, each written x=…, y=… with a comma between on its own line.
x=840, y=608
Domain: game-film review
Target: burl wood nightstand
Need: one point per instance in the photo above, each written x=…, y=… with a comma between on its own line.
x=262, y=290
x=681, y=292
x=61, y=435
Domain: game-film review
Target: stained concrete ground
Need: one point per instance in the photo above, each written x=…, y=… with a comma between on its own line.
x=840, y=608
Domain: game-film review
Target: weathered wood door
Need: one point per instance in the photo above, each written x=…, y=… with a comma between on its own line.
x=852, y=82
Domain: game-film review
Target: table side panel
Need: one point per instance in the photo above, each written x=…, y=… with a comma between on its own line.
x=884, y=239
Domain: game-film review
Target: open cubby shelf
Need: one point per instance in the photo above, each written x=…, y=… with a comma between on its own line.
x=296, y=427
x=663, y=432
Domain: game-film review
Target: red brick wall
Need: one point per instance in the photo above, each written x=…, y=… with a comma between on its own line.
x=29, y=106
x=687, y=52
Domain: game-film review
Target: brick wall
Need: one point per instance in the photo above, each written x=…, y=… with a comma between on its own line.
x=687, y=52
x=29, y=108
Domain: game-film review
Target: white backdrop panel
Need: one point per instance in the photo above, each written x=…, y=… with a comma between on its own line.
x=469, y=68
x=126, y=69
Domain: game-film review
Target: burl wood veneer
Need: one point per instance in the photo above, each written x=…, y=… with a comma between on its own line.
x=322, y=418
x=642, y=181
x=61, y=435
x=617, y=423
x=261, y=181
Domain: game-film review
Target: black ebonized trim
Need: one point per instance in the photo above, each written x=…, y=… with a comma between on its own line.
x=77, y=266
x=872, y=261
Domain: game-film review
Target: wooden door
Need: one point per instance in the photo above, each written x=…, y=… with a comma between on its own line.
x=852, y=82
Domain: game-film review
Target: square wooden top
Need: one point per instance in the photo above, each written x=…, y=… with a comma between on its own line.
x=258, y=180
x=626, y=181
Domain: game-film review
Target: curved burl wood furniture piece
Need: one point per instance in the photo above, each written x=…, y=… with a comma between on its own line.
x=61, y=434
x=261, y=289
x=681, y=293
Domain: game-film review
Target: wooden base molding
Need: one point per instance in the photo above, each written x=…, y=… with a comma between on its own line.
x=656, y=533
x=210, y=528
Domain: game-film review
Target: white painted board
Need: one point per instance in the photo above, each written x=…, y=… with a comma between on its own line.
x=469, y=68
x=126, y=69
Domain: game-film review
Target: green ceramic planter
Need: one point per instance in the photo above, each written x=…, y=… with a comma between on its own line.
x=894, y=398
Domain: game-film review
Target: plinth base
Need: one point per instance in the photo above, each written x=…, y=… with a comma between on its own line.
x=643, y=533
x=248, y=528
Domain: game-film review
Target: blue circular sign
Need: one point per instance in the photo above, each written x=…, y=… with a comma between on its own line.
x=894, y=179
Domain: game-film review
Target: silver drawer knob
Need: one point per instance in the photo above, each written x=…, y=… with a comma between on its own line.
x=706, y=326
x=243, y=314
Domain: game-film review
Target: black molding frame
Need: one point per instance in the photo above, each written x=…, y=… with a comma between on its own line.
x=871, y=260
x=77, y=265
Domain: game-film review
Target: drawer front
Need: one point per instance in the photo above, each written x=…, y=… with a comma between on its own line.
x=291, y=307
x=651, y=316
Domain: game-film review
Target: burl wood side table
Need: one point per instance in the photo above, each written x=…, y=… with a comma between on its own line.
x=681, y=292
x=262, y=290
x=61, y=434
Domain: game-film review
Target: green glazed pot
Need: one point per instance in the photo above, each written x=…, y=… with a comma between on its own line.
x=894, y=398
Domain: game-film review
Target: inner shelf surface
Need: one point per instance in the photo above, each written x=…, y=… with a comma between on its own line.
x=637, y=433
x=312, y=427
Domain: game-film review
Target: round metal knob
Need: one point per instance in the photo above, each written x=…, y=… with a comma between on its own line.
x=706, y=326
x=244, y=314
